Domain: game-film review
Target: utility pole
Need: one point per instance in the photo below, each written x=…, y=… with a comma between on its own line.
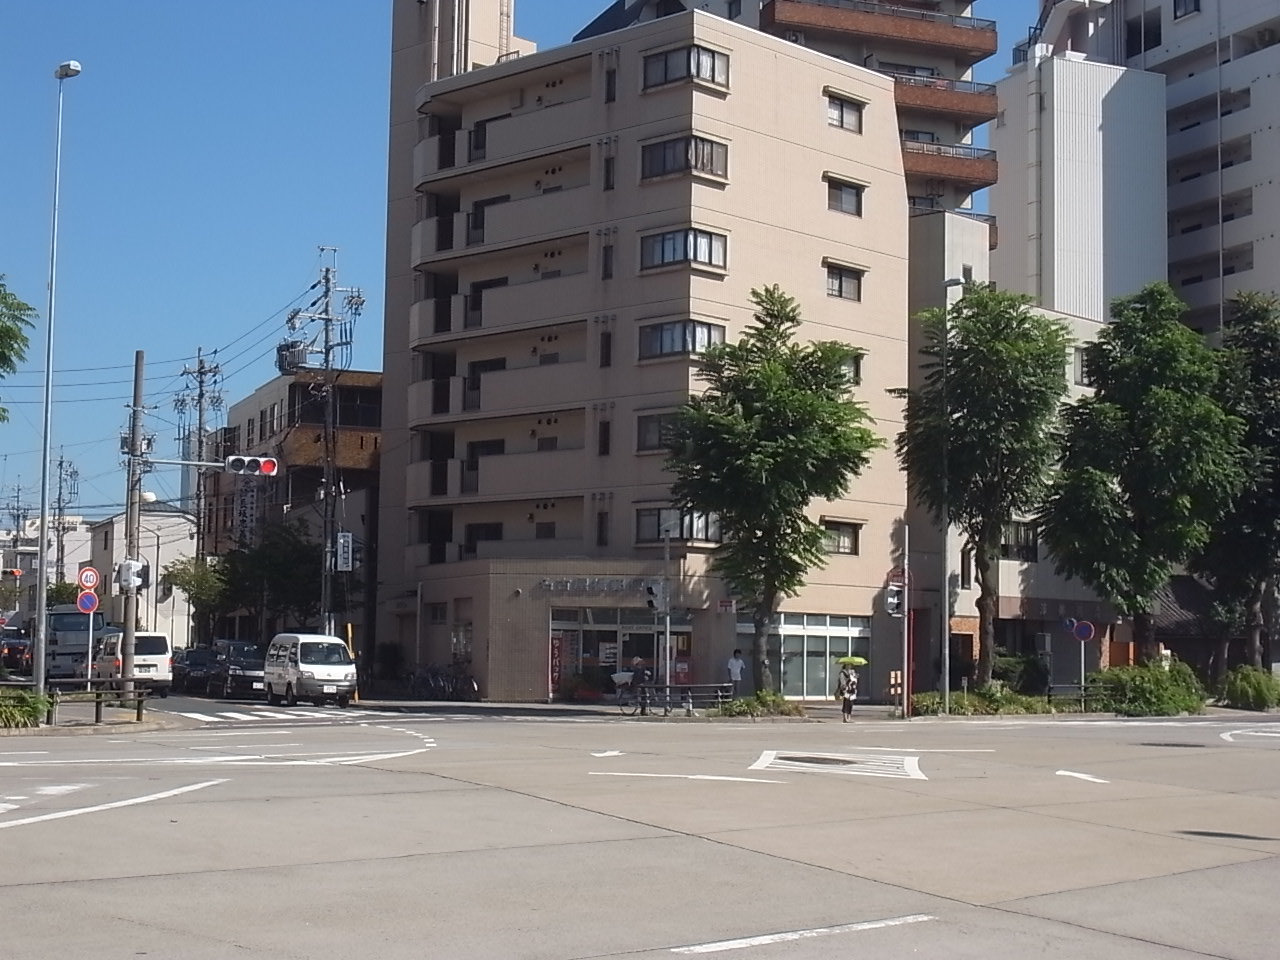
x=207, y=396
x=68, y=489
x=334, y=350
x=132, y=524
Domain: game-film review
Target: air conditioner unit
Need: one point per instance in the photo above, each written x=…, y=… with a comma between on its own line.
x=794, y=36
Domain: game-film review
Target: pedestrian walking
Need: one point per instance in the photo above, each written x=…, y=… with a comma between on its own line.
x=846, y=691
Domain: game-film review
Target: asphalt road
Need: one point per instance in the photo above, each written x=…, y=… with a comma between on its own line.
x=409, y=837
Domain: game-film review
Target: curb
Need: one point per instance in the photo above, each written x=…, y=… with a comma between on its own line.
x=92, y=729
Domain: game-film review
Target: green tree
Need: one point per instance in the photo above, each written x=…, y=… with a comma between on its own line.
x=15, y=320
x=1151, y=460
x=290, y=563
x=204, y=583
x=62, y=592
x=1243, y=555
x=776, y=429
x=994, y=378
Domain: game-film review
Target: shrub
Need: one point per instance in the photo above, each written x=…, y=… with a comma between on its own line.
x=764, y=704
x=1248, y=688
x=22, y=709
x=1150, y=691
x=995, y=699
x=1027, y=673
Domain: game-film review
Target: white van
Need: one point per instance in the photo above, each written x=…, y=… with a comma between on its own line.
x=309, y=666
x=152, y=660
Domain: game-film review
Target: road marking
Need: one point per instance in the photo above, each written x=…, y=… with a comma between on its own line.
x=207, y=718
x=721, y=945
x=846, y=764
x=6, y=807
x=915, y=750
x=60, y=790
x=20, y=753
x=608, y=753
x=232, y=715
x=683, y=776
x=258, y=745
x=114, y=805
x=273, y=715
x=1230, y=736
x=1081, y=776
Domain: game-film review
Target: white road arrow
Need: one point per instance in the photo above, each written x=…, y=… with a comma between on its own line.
x=1082, y=776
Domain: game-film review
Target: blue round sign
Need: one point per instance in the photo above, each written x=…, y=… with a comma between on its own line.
x=87, y=602
x=1083, y=631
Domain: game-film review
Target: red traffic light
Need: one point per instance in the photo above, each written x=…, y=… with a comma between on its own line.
x=253, y=466
x=11, y=573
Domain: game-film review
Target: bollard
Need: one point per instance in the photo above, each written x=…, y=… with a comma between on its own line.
x=97, y=707
x=139, y=700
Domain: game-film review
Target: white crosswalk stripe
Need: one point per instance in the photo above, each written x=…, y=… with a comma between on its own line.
x=256, y=715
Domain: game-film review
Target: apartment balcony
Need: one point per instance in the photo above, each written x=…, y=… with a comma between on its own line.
x=429, y=400
x=964, y=100
x=553, y=297
x=436, y=238
x=431, y=318
x=433, y=155
x=525, y=548
x=975, y=167
x=987, y=218
x=429, y=480
x=544, y=214
x=1204, y=187
x=546, y=473
x=550, y=386
x=1204, y=242
x=966, y=39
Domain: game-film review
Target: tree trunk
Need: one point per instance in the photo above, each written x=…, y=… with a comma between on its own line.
x=1144, y=638
x=1253, y=623
x=1221, y=659
x=988, y=610
x=762, y=620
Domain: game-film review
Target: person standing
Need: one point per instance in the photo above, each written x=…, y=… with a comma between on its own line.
x=846, y=691
x=735, y=667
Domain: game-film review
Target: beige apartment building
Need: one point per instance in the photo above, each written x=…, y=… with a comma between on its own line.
x=568, y=230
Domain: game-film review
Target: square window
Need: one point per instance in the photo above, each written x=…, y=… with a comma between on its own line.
x=1079, y=367
x=1020, y=542
x=545, y=530
x=653, y=431
x=844, y=197
x=437, y=613
x=842, y=537
x=844, y=282
x=548, y=443
x=1183, y=7
x=846, y=114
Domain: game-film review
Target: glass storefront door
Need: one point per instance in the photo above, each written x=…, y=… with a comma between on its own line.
x=810, y=650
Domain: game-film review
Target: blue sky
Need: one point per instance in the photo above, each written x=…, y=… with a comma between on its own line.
x=208, y=149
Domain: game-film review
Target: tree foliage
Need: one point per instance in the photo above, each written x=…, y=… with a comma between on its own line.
x=1243, y=555
x=61, y=592
x=776, y=429
x=278, y=576
x=204, y=583
x=978, y=437
x=15, y=320
x=1151, y=460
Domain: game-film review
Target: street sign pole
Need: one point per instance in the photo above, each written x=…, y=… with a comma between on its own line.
x=906, y=621
x=87, y=603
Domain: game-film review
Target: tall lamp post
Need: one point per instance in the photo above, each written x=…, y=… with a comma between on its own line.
x=945, y=605
x=66, y=70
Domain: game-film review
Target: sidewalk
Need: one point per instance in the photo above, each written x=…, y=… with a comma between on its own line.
x=815, y=711
x=76, y=718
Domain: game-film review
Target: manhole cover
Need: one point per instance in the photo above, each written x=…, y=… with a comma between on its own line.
x=851, y=764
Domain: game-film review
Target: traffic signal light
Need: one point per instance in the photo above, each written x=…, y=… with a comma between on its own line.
x=252, y=466
x=894, y=599
x=129, y=574
x=657, y=596
x=15, y=574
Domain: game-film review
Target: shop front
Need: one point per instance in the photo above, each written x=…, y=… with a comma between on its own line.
x=590, y=644
x=809, y=647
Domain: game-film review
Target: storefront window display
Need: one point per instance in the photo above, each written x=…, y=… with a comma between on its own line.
x=593, y=643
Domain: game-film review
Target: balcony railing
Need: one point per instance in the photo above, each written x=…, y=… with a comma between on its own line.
x=474, y=312
x=475, y=229
x=947, y=149
x=443, y=315
x=866, y=6
x=471, y=393
x=941, y=83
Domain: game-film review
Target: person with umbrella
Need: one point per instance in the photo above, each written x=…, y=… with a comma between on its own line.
x=847, y=684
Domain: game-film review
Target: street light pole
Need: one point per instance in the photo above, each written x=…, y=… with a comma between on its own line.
x=945, y=605
x=66, y=70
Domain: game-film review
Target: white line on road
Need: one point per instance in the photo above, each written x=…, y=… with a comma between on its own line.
x=1081, y=776
x=260, y=746
x=915, y=750
x=608, y=753
x=1230, y=736
x=722, y=945
x=683, y=776
x=6, y=807
x=206, y=717
x=231, y=714
x=60, y=789
x=20, y=753
x=114, y=805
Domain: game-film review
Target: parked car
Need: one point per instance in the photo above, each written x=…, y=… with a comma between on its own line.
x=15, y=653
x=311, y=667
x=237, y=670
x=152, y=660
x=191, y=669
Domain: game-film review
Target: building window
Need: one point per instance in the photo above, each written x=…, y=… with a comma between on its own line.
x=609, y=167
x=548, y=443
x=1020, y=542
x=842, y=537
x=262, y=424
x=606, y=348
x=548, y=359
x=545, y=530
x=844, y=282
x=679, y=337
x=684, y=153
x=845, y=197
x=1183, y=7
x=966, y=273
x=1080, y=367
x=606, y=262
x=653, y=430
x=248, y=434
x=604, y=437
x=846, y=114
x=686, y=63
x=437, y=613
x=735, y=9
x=610, y=85
x=683, y=246
x=966, y=568
x=602, y=528
x=853, y=367
x=653, y=523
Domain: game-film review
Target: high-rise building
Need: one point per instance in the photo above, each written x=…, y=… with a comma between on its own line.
x=574, y=228
x=928, y=47
x=1220, y=61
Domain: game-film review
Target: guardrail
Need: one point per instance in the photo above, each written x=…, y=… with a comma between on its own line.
x=82, y=691
x=948, y=149
x=941, y=83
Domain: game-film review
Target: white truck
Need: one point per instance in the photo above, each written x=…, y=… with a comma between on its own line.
x=68, y=648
